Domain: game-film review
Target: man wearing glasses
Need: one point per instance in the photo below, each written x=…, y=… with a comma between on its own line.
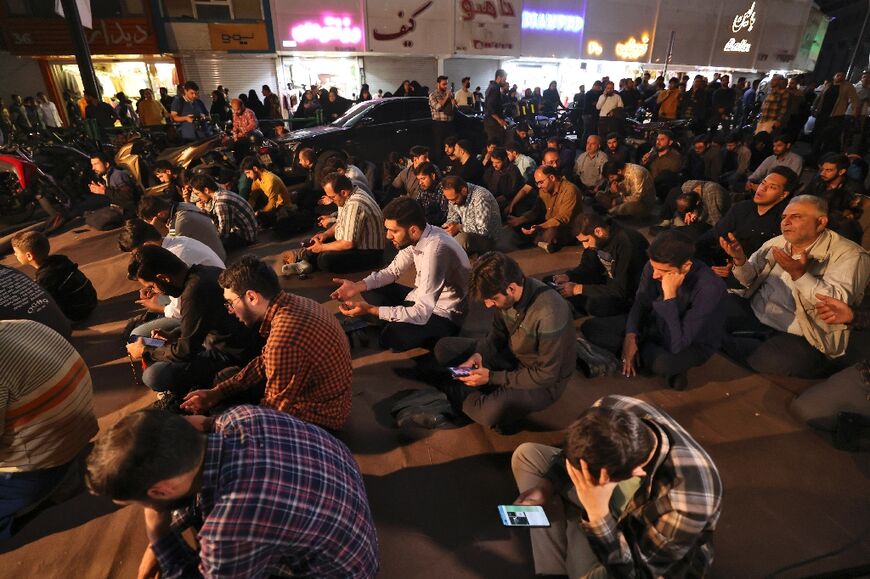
x=305, y=366
x=208, y=338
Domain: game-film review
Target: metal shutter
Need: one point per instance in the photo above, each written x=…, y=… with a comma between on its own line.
x=238, y=74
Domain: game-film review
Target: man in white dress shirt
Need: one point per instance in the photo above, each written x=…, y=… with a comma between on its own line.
x=436, y=305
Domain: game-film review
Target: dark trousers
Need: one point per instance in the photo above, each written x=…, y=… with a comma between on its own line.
x=494, y=131
x=19, y=490
x=592, y=272
x=234, y=241
x=607, y=125
x=653, y=357
x=763, y=349
x=345, y=261
x=489, y=405
x=403, y=336
x=182, y=377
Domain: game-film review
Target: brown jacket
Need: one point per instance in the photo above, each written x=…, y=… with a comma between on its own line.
x=563, y=206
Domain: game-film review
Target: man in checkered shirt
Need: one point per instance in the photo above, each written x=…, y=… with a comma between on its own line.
x=268, y=495
x=631, y=495
x=473, y=217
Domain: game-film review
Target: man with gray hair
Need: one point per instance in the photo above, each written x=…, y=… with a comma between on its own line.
x=589, y=165
x=776, y=330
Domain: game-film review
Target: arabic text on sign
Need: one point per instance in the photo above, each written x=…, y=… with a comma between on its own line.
x=594, y=48
x=230, y=38
x=733, y=46
x=487, y=8
x=746, y=20
x=631, y=49
x=333, y=30
x=551, y=22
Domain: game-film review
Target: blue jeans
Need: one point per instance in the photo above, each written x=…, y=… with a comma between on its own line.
x=163, y=324
x=19, y=490
x=182, y=377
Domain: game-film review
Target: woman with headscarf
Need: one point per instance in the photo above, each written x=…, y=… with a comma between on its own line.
x=307, y=106
x=219, y=106
x=364, y=94
x=255, y=104
x=404, y=90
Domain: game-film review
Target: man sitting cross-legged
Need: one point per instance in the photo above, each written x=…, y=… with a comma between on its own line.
x=777, y=330
x=631, y=495
x=436, y=306
x=305, y=364
x=524, y=363
x=676, y=321
x=357, y=236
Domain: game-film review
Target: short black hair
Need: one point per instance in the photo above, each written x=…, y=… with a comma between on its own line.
x=586, y=223
x=612, y=168
x=513, y=146
x=135, y=233
x=734, y=137
x=150, y=206
x=465, y=145
x=405, y=212
x=783, y=138
x=666, y=133
x=163, y=165
x=149, y=260
x=492, y=274
x=103, y=157
x=201, y=182
x=250, y=274
x=338, y=182
x=190, y=85
x=838, y=159
x=453, y=183
x=608, y=438
x=499, y=153
x=548, y=171
x=612, y=135
x=440, y=78
x=791, y=178
x=673, y=248
x=427, y=168
x=418, y=151
x=451, y=141
x=333, y=164
x=249, y=162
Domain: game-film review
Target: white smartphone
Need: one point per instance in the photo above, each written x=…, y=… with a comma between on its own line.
x=523, y=516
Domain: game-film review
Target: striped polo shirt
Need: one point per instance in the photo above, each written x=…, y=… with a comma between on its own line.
x=46, y=398
x=360, y=220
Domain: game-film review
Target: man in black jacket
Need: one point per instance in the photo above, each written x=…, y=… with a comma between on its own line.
x=493, y=120
x=605, y=281
x=208, y=340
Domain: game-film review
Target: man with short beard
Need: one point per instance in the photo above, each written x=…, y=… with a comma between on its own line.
x=238, y=481
x=842, y=195
x=207, y=340
x=305, y=364
x=430, y=195
x=662, y=157
x=419, y=316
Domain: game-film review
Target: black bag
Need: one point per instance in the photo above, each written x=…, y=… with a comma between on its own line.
x=427, y=408
x=594, y=361
x=105, y=218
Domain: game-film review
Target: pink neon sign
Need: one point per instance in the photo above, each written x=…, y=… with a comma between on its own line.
x=331, y=30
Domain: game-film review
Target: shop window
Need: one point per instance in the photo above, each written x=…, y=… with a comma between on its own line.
x=248, y=9
x=213, y=9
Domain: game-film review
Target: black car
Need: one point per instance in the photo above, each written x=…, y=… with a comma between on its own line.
x=370, y=130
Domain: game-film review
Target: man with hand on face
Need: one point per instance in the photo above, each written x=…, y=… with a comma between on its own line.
x=436, y=306
x=613, y=258
x=631, y=192
x=526, y=360
x=357, y=236
x=207, y=340
x=777, y=329
x=114, y=186
x=676, y=321
x=238, y=480
x=473, y=217
x=631, y=495
x=304, y=366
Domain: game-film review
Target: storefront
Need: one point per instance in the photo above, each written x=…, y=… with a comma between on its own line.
x=125, y=54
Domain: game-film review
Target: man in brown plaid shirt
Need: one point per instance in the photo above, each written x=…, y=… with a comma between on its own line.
x=631, y=495
x=774, y=108
x=305, y=364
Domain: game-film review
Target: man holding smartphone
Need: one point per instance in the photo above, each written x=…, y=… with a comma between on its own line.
x=524, y=363
x=631, y=495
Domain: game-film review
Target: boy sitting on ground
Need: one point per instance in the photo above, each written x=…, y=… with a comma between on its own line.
x=57, y=275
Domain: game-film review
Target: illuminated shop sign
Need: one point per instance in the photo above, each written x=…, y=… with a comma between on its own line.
x=632, y=49
x=740, y=22
x=550, y=22
x=594, y=48
x=330, y=30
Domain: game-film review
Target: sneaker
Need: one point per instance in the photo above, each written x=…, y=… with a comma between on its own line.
x=548, y=247
x=300, y=267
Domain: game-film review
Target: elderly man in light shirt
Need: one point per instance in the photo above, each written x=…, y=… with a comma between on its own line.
x=436, y=306
x=589, y=165
x=777, y=329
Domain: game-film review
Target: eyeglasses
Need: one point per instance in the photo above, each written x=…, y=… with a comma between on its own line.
x=230, y=304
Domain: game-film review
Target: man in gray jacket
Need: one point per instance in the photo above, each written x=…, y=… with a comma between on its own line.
x=524, y=363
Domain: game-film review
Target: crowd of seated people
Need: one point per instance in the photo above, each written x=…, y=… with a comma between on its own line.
x=751, y=256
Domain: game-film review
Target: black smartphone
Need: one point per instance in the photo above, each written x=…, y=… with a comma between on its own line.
x=150, y=342
x=458, y=372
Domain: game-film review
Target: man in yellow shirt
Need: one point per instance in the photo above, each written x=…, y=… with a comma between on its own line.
x=271, y=201
x=150, y=111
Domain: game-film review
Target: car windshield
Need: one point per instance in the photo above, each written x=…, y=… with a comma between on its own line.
x=353, y=114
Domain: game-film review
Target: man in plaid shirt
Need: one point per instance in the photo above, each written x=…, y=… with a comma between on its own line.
x=236, y=221
x=268, y=495
x=631, y=495
x=774, y=108
x=474, y=217
x=305, y=364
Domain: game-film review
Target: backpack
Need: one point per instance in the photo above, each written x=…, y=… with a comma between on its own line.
x=594, y=361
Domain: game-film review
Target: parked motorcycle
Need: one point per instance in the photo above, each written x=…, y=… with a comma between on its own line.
x=25, y=189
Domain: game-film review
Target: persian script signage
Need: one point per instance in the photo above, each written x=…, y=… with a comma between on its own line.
x=488, y=27
x=41, y=37
x=239, y=37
